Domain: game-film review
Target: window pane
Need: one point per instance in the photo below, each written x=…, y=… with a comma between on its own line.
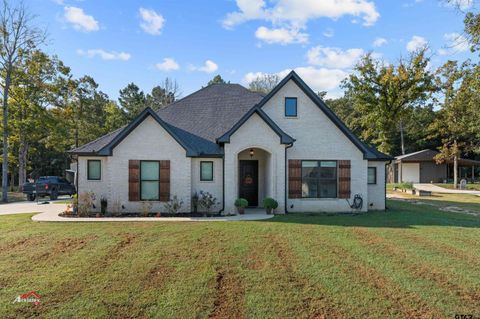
x=290, y=107
x=206, y=171
x=372, y=178
x=328, y=170
x=309, y=187
x=328, y=189
x=94, y=170
x=149, y=190
x=149, y=171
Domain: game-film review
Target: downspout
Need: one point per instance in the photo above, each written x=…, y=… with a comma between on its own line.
x=286, y=181
x=223, y=186
x=385, y=181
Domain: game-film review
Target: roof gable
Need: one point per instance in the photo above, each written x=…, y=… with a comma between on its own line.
x=284, y=137
x=369, y=152
x=108, y=149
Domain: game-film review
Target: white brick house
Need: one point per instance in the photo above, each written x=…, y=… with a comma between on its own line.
x=231, y=142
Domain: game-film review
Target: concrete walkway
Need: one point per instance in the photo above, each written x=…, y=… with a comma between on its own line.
x=437, y=189
x=49, y=213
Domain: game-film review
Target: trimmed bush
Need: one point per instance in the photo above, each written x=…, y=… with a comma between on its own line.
x=241, y=202
x=270, y=203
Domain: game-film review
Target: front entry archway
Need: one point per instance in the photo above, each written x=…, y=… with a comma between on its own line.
x=248, y=181
x=255, y=175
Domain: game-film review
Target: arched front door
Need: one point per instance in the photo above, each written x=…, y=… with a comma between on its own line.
x=248, y=181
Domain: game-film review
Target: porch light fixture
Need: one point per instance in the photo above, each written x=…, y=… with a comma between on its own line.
x=251, y=152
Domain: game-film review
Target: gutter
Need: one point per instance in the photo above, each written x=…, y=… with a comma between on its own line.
x=286, y=181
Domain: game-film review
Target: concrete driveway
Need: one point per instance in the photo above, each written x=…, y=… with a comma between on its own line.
x=34, y=207
x=437, y=189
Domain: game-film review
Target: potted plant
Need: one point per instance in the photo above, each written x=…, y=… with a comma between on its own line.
x=269, y=204
x=241, y=203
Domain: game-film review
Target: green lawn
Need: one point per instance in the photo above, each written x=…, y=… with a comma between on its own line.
x=475, y=187
x=413, y=261
x=15, y=197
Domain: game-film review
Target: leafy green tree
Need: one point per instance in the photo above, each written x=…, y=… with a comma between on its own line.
x=457, y=122
x=264, y=83
x=132, y=100
x=217, y=79
x=18, y=37
x=383, y=96
x=162, y=95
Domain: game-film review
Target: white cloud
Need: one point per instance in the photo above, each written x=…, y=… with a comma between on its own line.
x=281, y=35
x=333, y=57
x=378, y=42
x=152, y=22
x=80, y=20
x=319, y=79
x=208, y=67
x=298, y=12
x=168, y=64
x=105, y=55
x=456, y=43
x=416, y=43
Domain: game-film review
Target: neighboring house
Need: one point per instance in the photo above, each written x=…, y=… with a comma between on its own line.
x=421, y=167
x=231, y=142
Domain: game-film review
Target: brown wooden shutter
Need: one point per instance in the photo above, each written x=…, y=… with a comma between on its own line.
x=164, y=181
x=133, y=180
x=294, y=178
x=344, y=169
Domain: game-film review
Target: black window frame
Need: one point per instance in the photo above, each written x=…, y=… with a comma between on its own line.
x=88, y=170
x=149, y=180
x=368, y=170
x=202, y=179
x=285, y=106
x=318, y=162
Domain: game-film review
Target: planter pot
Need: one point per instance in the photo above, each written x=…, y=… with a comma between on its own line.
x=241, y=210
x=97, y=215
x=268, y=210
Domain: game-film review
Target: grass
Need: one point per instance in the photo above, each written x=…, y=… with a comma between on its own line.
x=413, y=261
x=473, y=187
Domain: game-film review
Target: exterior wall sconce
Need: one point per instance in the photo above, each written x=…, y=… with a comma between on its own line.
x=252, y=152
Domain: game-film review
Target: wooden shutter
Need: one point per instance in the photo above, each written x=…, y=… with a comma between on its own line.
x=294, y=178
x=133, y=180
x=344, y=169
x=164, y=181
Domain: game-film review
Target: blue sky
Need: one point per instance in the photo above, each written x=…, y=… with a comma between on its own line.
x=144, y=41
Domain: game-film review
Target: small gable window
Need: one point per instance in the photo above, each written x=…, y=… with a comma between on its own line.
x=372, y=175
x=94, y=170
x=206, y=171
x=291, y=107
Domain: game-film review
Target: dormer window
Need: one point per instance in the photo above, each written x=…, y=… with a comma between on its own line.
x=291, y=107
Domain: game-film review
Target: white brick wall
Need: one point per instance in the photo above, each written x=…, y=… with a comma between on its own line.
x=255, y=133
x=376, y=192
x=214, y=187
x=317, y=138
x=149, y=141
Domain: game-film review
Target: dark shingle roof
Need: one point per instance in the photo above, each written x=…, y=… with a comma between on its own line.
x=211, y=111
x=199, y=119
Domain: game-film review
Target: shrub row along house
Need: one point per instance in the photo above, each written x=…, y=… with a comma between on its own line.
x=232, y=142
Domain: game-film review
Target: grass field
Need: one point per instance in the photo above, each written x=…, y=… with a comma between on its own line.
x=15, y=197
x=413, y=261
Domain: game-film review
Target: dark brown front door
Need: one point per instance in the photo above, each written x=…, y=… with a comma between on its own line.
x=248, y=179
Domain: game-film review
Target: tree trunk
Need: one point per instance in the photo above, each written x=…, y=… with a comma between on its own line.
x=22, y=163
x=455, y=166
x=8, y=78
x=402, y=143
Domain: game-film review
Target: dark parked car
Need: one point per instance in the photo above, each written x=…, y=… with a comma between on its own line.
x=51, y=186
